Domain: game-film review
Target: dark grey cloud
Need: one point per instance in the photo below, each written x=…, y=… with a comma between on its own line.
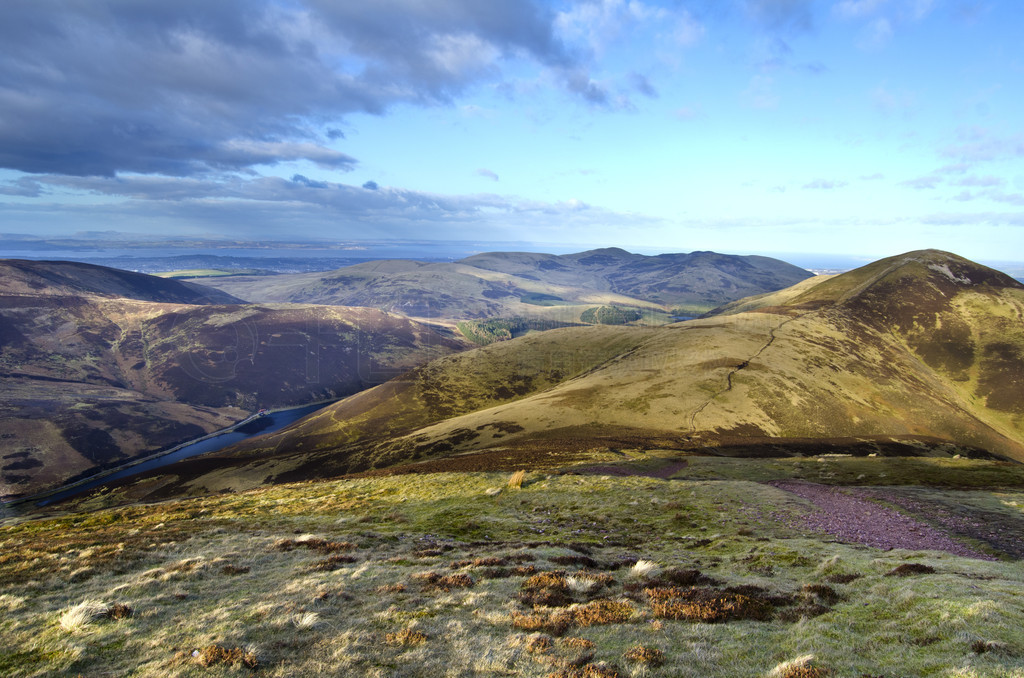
x=271, y=206
x=307, y=182
x=191, y=86
x=371, y=186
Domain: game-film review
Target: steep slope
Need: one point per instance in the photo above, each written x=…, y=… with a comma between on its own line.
x=88, y=380
x=922, y=353
x=513, y=283
x=69, y=278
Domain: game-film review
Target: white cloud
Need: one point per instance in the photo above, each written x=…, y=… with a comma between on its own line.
x=875, y=35
x=852, y=9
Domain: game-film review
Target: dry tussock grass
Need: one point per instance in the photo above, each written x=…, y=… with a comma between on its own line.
x=76, y=618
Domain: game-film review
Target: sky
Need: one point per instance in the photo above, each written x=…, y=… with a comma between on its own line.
x=863, y=127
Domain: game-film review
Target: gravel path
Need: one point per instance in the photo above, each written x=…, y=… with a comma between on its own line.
x=847, y=514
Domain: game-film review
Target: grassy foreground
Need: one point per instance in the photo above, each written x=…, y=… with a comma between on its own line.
x=470, y=574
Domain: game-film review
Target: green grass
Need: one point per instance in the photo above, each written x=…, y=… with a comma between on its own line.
x=434, y=589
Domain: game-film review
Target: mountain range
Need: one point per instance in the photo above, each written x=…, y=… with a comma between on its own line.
x=501, y=284
x=918, y=354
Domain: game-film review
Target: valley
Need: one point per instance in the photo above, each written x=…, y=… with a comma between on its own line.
x=819, y=480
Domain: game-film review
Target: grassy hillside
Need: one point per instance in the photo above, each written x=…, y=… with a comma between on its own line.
x=548, y=574
x=916, y=355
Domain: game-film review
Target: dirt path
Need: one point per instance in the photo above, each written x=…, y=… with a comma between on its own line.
x=851, y=516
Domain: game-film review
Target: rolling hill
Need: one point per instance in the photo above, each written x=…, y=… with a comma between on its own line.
x=71, y=278
x=98, y=366
x=502, y=284
x=919, y=354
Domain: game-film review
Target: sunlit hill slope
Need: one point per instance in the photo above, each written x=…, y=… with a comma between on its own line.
x=916, y=354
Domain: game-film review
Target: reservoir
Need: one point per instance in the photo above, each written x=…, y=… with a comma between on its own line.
x=268, y=423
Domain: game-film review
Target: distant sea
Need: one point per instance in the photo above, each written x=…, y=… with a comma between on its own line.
x=283, y=259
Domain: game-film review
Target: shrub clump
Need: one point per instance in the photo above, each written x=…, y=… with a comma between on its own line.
x=118, y=611
x=331, y=563
x=546, y=589
x=581, y=561
x=602, y=612
x=406, y=636
x=432, y=581
x=651, y=656
x=230, y=569
x=707, y=605
x=909, y=569
x=212, y=655
x=598, y=670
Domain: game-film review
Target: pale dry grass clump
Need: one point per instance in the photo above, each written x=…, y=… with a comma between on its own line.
x=586, y=582
x=643, y=569
x=306, y=620
x=801, y=667
x=516, y=481
x=76, y=618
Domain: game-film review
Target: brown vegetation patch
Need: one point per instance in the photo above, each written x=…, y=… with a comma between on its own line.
x=579, y=561
x=910, y=569
x=806, y=672
x=555, y=624
x=406, y=636
x=547, y=589
x=118, y=611
x=230, y=569
x=391, y=588
x=707, y=605
x=479, y=562
x=599, y=670
x=211, y=655
x=539, y=643
x=432, y=581
x=640, y=654
x=314, y=544
x=598, y=612
x=331, y=563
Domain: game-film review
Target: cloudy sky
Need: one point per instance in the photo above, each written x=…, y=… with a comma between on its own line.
x=852, y=126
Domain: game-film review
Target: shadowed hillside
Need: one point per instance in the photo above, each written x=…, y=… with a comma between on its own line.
x=91, y=379
x=68, y=278
x=919, y=354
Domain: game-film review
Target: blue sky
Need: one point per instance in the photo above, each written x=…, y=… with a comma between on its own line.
x=862, y=127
